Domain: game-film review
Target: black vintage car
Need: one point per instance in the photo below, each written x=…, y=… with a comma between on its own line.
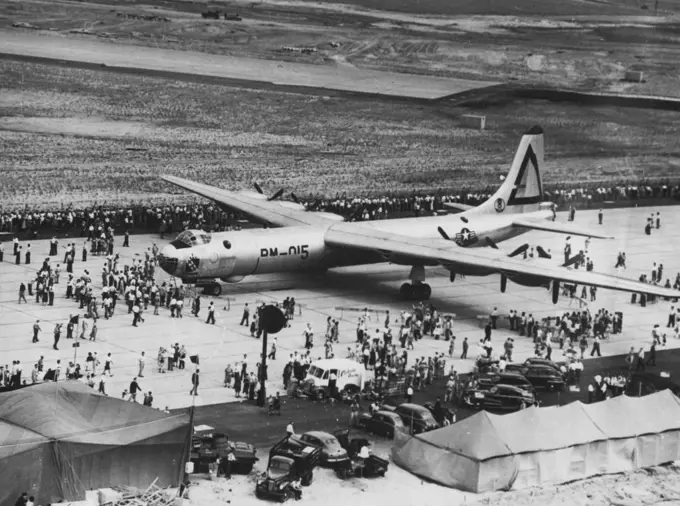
x=646, y=383
x=514, y=379
x=417, y=419
x=541, y=376
x=381, y=423
x=498, y=397
x=558, y=366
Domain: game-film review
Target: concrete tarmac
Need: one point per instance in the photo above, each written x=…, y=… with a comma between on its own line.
x=375, y=287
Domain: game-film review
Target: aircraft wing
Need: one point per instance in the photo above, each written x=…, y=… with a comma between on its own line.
x=448, y=254
x=560, y=228
x=270, y=212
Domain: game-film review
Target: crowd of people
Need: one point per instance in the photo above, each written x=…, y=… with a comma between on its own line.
x=169, y=219
x=381, y=350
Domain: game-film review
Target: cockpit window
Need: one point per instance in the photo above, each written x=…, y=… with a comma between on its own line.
x=191, y=238
x=180, y=244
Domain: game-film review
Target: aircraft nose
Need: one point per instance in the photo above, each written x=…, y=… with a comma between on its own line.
x=168, y=259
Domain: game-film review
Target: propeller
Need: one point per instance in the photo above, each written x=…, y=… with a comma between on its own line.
x=543, y=253
x=276, y=195
x=576, y=258
x=443, y=233
x=490, y=242
x=355, y=214
x=294, y=197
x=261, y=192
x=519, y=250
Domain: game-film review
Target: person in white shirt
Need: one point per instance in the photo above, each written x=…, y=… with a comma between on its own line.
x=290, y=430
x=142, y=362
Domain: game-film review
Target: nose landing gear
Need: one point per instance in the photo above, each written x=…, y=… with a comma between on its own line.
x=415, y=291
x=418, y=289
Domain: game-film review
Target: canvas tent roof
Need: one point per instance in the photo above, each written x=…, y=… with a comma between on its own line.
x=541, y=429
x=474, y=437
x=546, y=445
x=93, y=432
x=73, y=411
x=484, y=435
x=623, y=416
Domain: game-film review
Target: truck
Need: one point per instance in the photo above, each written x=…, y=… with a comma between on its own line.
x=290, y=460
x=351, y=378
x=206, y=448
x=372, y=467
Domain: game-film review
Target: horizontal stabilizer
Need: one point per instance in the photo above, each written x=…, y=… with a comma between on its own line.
x=559, y=228
x=454, y=206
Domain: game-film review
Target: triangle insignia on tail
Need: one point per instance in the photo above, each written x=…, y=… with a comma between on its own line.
x=527, y=188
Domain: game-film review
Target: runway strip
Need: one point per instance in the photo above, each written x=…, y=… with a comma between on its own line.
x=56, y=47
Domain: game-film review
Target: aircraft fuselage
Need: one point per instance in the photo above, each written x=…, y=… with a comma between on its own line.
x=231, y=256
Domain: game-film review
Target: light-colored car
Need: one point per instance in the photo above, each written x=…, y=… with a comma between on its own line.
x=332, y=452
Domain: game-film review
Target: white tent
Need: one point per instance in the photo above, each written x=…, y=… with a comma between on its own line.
x=539, y=446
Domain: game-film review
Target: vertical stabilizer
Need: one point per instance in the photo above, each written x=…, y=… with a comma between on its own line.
x=522, y=190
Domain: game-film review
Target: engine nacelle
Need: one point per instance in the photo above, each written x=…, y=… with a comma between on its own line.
x=233, y=279
x=467, y=270
x=527, y=280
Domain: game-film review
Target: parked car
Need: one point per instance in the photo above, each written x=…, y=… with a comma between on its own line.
x=416, y=418
x=506, y=378
x=646, y=383
x=541, y=376
x=332, y=452
x=498, y=397
x=381, y=423
x=559, y=366
x=446, y=416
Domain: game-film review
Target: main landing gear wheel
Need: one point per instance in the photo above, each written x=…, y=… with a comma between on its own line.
x=420, y=291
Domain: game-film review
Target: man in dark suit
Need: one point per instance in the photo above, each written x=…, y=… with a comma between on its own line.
x=194, y=381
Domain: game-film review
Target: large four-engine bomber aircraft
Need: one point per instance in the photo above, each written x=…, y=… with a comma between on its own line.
x=296, y=239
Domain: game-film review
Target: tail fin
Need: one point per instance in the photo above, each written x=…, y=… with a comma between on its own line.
x=522, y=190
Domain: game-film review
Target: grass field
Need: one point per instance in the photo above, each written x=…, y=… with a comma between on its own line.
x=82, y=136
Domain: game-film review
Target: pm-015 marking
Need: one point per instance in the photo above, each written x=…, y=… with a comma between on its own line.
x=300, y=249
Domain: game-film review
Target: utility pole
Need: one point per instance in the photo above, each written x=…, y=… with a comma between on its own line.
x=271, y=320
x=75, y=345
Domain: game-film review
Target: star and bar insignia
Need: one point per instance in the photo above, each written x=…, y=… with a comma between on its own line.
x=466, y=237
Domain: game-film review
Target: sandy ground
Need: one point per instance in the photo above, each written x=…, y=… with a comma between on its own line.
x=655, y=486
